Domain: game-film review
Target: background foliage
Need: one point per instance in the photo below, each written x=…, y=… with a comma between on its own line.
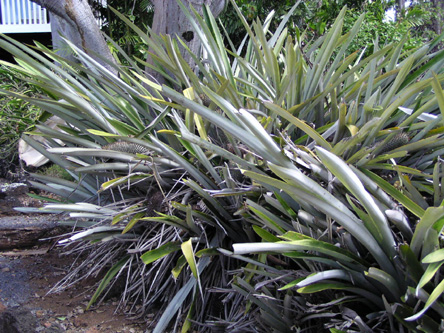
x=16, y=117
x=140, y=12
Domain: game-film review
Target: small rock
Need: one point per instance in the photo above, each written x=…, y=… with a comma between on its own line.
x=14, y=188
x=6, y=269
x=17, y=320
x=47, y=324
x=40, y=313
x=79, y=322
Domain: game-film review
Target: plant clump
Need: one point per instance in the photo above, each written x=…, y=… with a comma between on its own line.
x=288, y=185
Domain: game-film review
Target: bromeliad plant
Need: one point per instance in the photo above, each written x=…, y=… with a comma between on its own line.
x=380, y=260
x=313, y=160
x=354, y=240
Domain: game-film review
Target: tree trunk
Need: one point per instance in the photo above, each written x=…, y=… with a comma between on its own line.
x=437, y=18
x=170, y=20
x=400, y=9
x=74, y=20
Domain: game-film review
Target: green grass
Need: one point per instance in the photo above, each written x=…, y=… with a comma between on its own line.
x=55, y=171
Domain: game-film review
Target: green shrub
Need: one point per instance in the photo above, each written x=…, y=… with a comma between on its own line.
x=16, y=117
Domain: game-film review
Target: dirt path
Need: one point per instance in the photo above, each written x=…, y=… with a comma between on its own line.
x=29, y=269
x=27, y=275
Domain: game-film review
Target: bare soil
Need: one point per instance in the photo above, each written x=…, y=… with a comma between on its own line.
x=26, y=277
x=28, y=274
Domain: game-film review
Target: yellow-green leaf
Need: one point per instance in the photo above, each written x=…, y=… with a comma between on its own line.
x=187, y=250
x=179, y=266
x=133, y=221
x=153, y=255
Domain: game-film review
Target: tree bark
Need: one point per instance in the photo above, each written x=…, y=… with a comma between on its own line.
x=170, y=20
x=74, y=20
x=400, y=9
x=437, y=20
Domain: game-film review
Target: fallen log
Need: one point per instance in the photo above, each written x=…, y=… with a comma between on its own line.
x=22, y=231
